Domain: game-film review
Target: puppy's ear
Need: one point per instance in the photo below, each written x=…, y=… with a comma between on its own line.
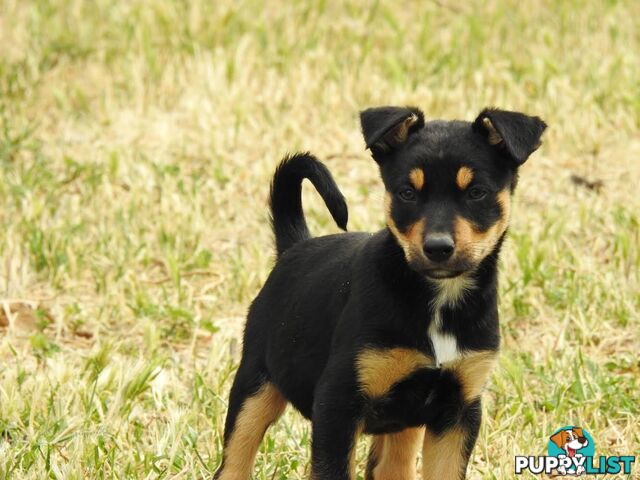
x=386, y=128
x=559, y=438
x=578, y=431
x=517, y=134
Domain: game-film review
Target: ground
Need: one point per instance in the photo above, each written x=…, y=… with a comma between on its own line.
x=137, y=140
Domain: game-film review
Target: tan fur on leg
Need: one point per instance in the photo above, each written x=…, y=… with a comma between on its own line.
x=396, y=454
x=352, y=453
x=256, y=414
x=443, y=455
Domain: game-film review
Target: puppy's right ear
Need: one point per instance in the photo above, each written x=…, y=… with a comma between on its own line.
x=386, y=128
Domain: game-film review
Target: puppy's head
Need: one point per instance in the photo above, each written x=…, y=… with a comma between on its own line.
x=448, y=183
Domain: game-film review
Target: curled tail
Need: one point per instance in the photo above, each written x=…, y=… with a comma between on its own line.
x=287, y=217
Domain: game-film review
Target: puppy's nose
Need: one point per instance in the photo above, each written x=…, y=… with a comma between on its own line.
x=582, y=439
x=438, y=247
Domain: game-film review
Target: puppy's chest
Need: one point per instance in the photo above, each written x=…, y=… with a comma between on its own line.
x=445, y=344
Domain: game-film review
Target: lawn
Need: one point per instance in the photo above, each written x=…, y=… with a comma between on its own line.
x=137, y=141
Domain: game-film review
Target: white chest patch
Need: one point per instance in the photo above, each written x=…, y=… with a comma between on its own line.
x=444, y=344
x=450, y=292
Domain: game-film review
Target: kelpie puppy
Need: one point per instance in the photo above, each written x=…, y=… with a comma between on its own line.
x=392, y=334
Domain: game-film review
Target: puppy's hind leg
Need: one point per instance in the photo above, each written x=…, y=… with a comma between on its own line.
x=337, y=414
x=254, y=404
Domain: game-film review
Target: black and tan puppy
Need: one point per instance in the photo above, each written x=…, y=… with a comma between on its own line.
x=394, y=333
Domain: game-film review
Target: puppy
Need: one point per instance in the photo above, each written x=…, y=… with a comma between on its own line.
x=394, y=333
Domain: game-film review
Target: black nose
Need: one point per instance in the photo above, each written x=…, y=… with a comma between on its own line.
x=438, y=248
x=582, y=439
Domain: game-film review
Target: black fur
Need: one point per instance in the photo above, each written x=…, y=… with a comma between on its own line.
x=287, y=218
x=330, y=298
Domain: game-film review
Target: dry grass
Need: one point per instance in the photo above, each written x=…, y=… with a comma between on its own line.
x=137, y=140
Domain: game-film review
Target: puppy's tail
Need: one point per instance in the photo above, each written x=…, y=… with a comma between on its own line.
x=287, y=217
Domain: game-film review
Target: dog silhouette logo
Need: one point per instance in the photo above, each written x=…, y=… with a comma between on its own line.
x=571, y=443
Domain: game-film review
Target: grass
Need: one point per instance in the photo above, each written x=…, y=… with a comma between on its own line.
x=137, y=140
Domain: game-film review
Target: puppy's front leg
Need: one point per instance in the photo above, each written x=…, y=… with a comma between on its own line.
x=451, y=434
x=447, y=448
x=337, y=413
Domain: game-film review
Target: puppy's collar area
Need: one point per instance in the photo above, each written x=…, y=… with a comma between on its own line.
x=451, y=291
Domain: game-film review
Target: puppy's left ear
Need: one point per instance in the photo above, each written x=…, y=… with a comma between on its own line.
x=517, y=134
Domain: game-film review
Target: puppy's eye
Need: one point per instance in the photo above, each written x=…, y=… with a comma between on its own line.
x=477, y=193
x=407, y=194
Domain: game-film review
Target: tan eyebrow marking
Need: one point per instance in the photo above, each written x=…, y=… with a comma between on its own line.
x=464, y=177
x=416, y=177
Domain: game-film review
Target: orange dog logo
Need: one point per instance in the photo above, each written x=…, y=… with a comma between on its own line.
x=570, y=441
